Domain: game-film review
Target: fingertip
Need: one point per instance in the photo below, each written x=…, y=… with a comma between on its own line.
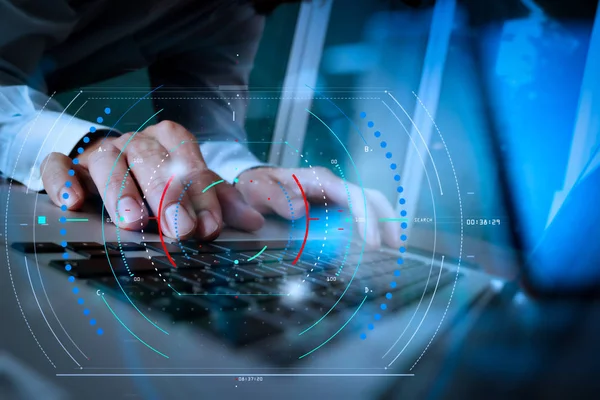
x=133, y=226
x=209, y=226
x=374, y=239
x=254, y=220
x=131, y=214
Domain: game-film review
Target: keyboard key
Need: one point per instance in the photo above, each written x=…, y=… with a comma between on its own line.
x=126, y=246
x=263, y=271
x=201, y=248
x=79, y=246
x=167, y=285
x=149, y=299
x=256, y=246
x=173, y=249
x=95, y=267
x=279, y=255
x=234, y=274
x=97, y=253
x=192, y=261
x=201, y=277
x=38, y=247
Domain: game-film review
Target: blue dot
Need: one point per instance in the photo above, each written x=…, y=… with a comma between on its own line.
x=363, y=336
x=397, y=272
x=92, y=321
x=80, y=150
x=402, y=249
x=388, y=155
x=370, y=124
x=400, y=261
x=404, y=225
x=383, y=306
x=68, y=267
x=388, y=296
x=65, y=255
x=76, y=161
x=63, y=243
x=99, y=120
x=65, y=195
x=393, y=166
x=377, y=133
x=377, y=317
x=80, y=301
x=93, y=129
x=86, y=139
x=71, y=172
x=383, y=145
x=107, y=110
x=403, y=237
x=63, y=207
x=100, y=332
x=400, y=189
x=393, y=285
x=396, y=178
x=71, y=279
x=403, y=213
x=86, y=312
x=363, y=114
x=63, y=232
x=370, y=326
x=402, y=201
x=68, y=184
x=75, y=290
x=62, y=220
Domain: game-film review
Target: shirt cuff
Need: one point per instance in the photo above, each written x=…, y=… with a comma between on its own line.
x=47, y=133
x=229, y=159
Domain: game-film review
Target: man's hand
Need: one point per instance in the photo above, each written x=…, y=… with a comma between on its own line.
x=198, y=214
x=320, y=185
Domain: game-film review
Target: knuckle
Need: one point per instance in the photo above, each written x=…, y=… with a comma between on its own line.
x=109, y=151
x=122, y=140
x=167, y=126
x=141, y=147
x=156, y=184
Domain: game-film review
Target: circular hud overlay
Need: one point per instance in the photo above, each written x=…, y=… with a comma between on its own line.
x=315, y=295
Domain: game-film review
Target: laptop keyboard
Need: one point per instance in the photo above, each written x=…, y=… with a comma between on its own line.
x=231, y=283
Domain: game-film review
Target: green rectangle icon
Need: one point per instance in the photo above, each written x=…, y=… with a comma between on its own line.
x=41, y=219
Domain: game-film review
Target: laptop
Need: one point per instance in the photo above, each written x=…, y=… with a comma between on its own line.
x=273, y=305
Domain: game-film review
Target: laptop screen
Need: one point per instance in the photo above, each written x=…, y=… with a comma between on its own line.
x=541, y=82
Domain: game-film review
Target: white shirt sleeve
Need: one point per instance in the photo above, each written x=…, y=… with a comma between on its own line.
x=32, y=125
x=229, y=159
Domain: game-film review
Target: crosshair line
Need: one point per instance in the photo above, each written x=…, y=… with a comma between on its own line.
x=307, y=220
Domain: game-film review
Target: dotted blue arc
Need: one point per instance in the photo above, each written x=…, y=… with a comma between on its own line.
x=393, y=284
x=63, y=231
